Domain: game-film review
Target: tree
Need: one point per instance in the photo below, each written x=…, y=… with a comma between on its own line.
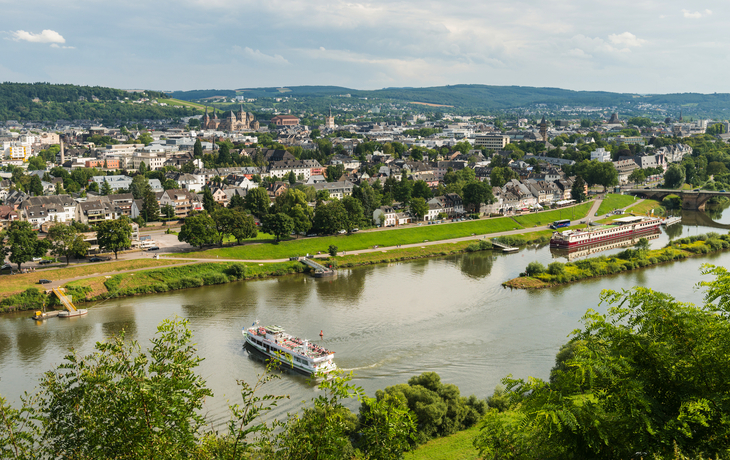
x=355, y=214
x=121, y=401
x=649, y=375
x=150, y=207
x=198, y=149
x=386, y=428
x=237, y=201
x=142, y=168
x=209, y=203
x=258, y=202
x=66, y=241
x=198, y=230
x=114, y=235
x=332, y=250
x=170, y=184
x=334, y=172
x=244, y=226
x=225, y=222
x=23, y=243
x=36, y=187
x=106, y=188
x=422, y=190
x=140, y=186
x=578, y=191
x=475, y=193
x=145, y=138
x=637, y=175
x=292, y=178
x=224, y=154
x=330, y=218
x=168, y=211
x=419, y=208
x=36, y=163
x=280, y=225
x=674, y=177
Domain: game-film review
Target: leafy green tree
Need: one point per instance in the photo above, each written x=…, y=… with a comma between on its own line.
x=368, y=197
x=140, y=186
x=224, y=154
x=142, y=168
x=198, y=230
x=475, y=193
x=422, y=190
x=280, y=225
x=198, y=149
x=150, y=207
x=36, y=187
x=66, y=241
x=332, y=250
x=419, y=208
x=355, y=215
x=170, y=184
x=237, y=201
x=637, y=175
x=649, y=375
x=243, y=225
x=36, y=163
x=386, y=428
x=114, y=235
x=106, y=188
x=330, y=218
x=145, y=138
x=168, y=211
x=23, y=243
x=334, y=172
x=403, y=190
x=209, y=203
x=258, y=202
x=121, y=402
x=674, y=177
x=578, y=192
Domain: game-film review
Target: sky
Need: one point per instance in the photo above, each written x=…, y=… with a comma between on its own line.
x=639, y=46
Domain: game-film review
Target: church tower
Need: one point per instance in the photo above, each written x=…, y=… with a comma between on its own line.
x=543, y=129
x=205, y=120
x=329, y=122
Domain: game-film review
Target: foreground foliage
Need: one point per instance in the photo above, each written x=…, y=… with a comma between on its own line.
x=649, y=376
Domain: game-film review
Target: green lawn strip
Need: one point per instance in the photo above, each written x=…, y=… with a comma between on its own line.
x=646, y=206
x=457, y=446
x=547, y=217
x=361, y=240
x=182, y=103
x=614, y=201
x=174, y=278
x=629, y=259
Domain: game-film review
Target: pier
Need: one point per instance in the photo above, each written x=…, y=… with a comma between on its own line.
x=503, y=247
x=320, y=271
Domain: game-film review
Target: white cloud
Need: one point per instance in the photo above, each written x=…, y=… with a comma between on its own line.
x=579, y=53
x=696, y=14
x=626, y=39
x=259, y=56
x=56, y=45
x=47, y=36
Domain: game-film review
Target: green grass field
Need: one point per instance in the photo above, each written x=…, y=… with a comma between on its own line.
x=455, y=447
x=183, y=103
x=362, y=240
x=614, y=201
x=646, y=206
x=545, y=218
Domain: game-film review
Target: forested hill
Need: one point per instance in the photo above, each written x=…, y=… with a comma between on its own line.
x=483, y=97
x=49, y=102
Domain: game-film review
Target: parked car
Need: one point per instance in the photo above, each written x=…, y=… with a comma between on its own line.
x=6, y=266
x=342, y=231
x=153, y=248
x=98, y=259
x=37, y=259
x=355, y=230
x=45, y=262
x=294, y=258
x=44, y=281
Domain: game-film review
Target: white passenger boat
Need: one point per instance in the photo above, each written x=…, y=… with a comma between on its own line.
x=299, y=354
x=619, y=228
x=671, y=220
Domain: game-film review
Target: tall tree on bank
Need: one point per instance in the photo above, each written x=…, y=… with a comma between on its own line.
x=66, y=241
x=23, y=243
x=198, y=230
x=578, y=191
x=197, y=150
x=114, y=235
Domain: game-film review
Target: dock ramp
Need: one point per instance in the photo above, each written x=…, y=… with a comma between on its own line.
x=64, y=300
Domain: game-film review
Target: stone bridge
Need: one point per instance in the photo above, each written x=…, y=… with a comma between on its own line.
x=702, y=219
x=691, y=200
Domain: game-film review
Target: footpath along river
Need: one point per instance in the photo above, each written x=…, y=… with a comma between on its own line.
x=386, y=323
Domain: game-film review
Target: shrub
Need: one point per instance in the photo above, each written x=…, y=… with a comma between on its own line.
x=556, y=268
x=332, y=250
x=214, y=278
x=237, y=271
x=534, y=268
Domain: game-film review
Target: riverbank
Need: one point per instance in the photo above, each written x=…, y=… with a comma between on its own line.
x=210, y=273
x=537, y=276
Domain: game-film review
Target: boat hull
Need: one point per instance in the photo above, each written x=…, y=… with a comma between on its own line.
x=284, y=365
x=293, y=353
x=613, y=234
x=71, y=314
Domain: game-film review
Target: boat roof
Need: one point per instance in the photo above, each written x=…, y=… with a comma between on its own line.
x=629, y=219
x=274, y=329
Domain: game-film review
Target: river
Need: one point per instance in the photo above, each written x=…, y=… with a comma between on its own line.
x=386, y=323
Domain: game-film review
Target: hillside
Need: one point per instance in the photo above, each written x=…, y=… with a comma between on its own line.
x=49, y=102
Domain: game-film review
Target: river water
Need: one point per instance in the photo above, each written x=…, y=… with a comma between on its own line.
x=386, y=323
